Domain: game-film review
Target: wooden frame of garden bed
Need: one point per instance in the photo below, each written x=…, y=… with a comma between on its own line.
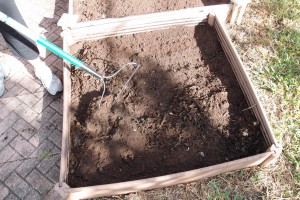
x=119, y=26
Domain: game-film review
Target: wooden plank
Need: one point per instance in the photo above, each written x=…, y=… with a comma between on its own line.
x=173, y=15
x=65, y=149
x=245, y=82
x=165, y=181
x=142, y=23
x=71, y=7
x=274, y=156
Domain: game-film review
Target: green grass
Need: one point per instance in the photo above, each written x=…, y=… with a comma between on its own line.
x=281, y=76
x=46, y=154
x=217, y=191
x=284, y=9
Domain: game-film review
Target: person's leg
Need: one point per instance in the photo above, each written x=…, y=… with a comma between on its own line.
x=49, y=80
x=1, y=81
x=26, y=48
x=19, y=45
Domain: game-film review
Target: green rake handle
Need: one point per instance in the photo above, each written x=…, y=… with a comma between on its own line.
x=46, y=43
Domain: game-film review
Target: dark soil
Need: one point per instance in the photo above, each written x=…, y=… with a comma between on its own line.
x=182, y=110
x=92, y=10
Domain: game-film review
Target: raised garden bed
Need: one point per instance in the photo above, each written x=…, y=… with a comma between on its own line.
x=184, y=115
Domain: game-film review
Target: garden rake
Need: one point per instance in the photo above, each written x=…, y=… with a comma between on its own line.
x=61, y=53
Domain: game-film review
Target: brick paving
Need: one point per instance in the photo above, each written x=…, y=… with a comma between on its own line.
x=30, y=118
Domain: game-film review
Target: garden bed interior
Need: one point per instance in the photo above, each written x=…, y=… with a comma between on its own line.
x=182, y=110
x=188, y=113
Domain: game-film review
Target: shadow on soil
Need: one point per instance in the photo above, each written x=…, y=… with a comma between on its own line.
x=245, y=132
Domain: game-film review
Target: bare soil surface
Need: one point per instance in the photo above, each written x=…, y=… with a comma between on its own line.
x=182, y=110
x=92, y=10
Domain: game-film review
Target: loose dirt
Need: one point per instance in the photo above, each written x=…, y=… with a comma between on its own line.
x=92, y=10
x=182, y=110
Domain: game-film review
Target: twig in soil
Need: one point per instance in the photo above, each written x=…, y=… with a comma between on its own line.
x=178, y=143
x=163, y=120
x=249, y=107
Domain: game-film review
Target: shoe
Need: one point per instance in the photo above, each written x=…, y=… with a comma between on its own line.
x=55, y=87
x=4, y=68
x=49, y=80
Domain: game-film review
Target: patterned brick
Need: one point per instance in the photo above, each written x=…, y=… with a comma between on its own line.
x=56, y=138
x=16, y=76
x=4, y=112
x=9, y=104
x=13, y=92
x=43, y=117
x=34, y=195
x=12, y=197
x=57, y=120
x=43, y=103
x=43, y=149
x=27, y=166
x=47, y=163
x=49, y=160
x=58, y=32
x=22, y=146
x=29, y=99
x=9, y=84
x=30, y=84
x=58, y=64
x=48, y=23
x=42, y=134
x=59, y=12
x=18, y=185
x=57, y=105
x=8, y=122
x=30, y=68
x=52, y=37
x=39, y=182
x=51, y=58
x=4, y=191
x=53, y=174
x=24, y=128
x=52, y=29
x=59, y=74
x=24, y=92
x=7, y=168
x=6, y=154
x=62, y=5
x=7, y=137
x=40, y=93
x=26, y=113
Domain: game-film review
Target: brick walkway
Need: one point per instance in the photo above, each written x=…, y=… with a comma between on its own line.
x=30, y=118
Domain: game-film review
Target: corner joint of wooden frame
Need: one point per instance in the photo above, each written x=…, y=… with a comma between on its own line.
x=276, y=151
x=68, y=36
x=62, y=189
x=67, y=21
